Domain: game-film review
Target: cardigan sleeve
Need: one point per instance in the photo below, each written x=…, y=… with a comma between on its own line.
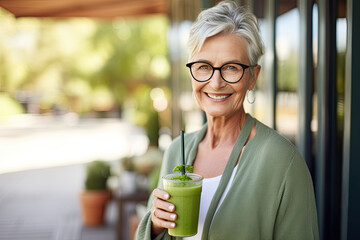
x=296, y=217
x=143, y=231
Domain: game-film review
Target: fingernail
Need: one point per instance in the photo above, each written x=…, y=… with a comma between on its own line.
x=171, y=207
x=172, y=225
x=172, y=216
x=166, y=195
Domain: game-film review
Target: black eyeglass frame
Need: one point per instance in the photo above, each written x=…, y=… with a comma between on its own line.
x=218, y=68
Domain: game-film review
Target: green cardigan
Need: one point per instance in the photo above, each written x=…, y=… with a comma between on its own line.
x=271, y=196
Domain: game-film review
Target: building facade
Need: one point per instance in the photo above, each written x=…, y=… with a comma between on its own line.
x=308, y=91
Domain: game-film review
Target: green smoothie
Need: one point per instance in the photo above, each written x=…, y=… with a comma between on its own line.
x=185, y=195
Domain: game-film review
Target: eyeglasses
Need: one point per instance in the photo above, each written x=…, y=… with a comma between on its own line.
x=230, y=72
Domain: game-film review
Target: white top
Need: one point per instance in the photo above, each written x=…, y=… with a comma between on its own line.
x=209, y=187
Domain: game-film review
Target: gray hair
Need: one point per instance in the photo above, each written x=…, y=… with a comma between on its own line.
x=227, y=17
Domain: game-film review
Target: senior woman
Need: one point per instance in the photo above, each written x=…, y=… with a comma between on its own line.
x=256, y=184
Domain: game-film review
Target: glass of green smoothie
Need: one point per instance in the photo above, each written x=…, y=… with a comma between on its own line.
x=185, y=195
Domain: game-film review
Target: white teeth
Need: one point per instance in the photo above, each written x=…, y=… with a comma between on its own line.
x=218, y=97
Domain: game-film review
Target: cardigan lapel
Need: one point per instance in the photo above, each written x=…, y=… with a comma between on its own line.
x=235, y=153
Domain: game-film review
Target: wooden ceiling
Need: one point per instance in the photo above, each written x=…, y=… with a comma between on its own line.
x=117, y=8
x=84, y=8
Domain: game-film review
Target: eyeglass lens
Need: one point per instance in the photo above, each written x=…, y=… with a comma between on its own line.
x=230, y=72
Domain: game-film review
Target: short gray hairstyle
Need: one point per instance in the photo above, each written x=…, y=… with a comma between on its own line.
x=227, y=17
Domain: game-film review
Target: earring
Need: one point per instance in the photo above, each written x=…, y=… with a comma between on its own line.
x=252, y=97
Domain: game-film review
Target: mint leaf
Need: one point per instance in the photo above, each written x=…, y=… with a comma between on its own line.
x=179, y=168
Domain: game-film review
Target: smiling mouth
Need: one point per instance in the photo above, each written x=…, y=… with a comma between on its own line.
x=218, y=97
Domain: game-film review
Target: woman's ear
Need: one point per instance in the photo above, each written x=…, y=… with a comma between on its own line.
x=256, y=70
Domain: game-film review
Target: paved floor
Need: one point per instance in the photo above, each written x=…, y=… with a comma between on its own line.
x=43, y=205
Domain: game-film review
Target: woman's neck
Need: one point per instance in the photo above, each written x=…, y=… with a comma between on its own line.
x=223, y=130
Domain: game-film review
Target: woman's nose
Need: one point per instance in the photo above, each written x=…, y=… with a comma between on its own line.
x=216, y=81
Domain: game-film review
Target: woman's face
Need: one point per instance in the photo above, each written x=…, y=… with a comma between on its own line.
x=217, y=97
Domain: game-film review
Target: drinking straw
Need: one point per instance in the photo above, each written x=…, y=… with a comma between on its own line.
x=182, y=151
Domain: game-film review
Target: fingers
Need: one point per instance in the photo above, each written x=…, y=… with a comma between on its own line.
x=160, y=200
x=164, y=205
x=160, y=194
x=162, y=214
x=162, y=219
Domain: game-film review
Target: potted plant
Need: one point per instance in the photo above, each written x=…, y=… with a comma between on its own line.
x=96, y=195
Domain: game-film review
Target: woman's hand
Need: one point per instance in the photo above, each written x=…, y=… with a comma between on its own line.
x=162, y=215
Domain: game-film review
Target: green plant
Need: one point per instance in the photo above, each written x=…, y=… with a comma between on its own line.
x=97, y=174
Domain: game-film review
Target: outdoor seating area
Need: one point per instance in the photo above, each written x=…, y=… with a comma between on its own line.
x=44, y=204
x=42, y=200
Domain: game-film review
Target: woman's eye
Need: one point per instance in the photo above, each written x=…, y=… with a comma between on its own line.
x=231, y=67
x=204, y=67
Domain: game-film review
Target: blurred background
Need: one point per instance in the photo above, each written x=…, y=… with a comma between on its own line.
x=91, y=81
x=106, y=80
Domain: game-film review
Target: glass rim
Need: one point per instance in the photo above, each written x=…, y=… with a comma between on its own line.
x=199, y=177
